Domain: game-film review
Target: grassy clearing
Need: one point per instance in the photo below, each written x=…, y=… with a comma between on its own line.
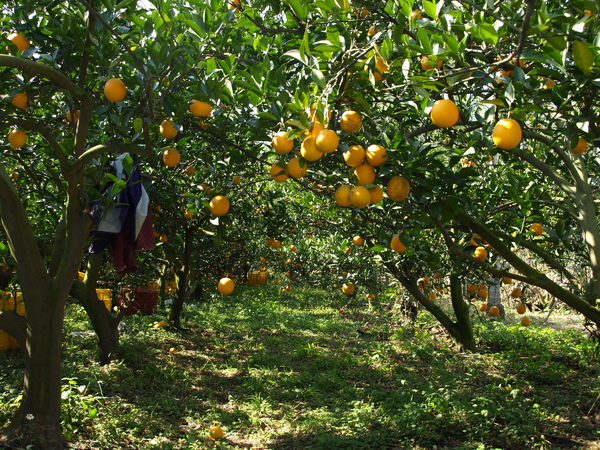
x=289, y=372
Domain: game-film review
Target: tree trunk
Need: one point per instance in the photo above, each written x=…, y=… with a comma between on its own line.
x=182, y=291
x=104, y=323
x=463, y=324
x=37, y=421
x=461, y=331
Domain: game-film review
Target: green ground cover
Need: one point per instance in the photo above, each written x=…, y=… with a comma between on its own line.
x=291, y=372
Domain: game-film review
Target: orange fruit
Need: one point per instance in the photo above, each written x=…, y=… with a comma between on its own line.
x=472, y=288
x=398, y=188
x=396, y=244
x=372, y=31
x=365, y=174
x=415, y=15
x=537, y=228
x=219, y=205
x=281, y=144
x=171, y=157
x=480, y=253
x=376, y=155
x=163, y=238
x=521, y=308
x=354, y=156
x=507, y=134
x=359, y=196
x=350, y=121
x=580, y=148
x=494, y=311
x=482, y=292
x=315, y=128
x=309, y=150
x=525, y=321
x=226, y=286
x=347, y=251
x=236, y=5
x=276, y=243
x=190, y=170
x=381, y=65
x=516, y=293
x=507, y=280
x=483, y=307
x=20, y=100
x=376, y=194
x=188, y=215
x=17, y=138
x=296, y=169
x=549, y=84
x=236, y=180
x=327, y=141
x=437, y=276
x=278, y=173
x=428, y=63
x=432, y=296
x=200, y=109
x=348, y=288
x=115, y=90
x=444, y=113
x=167, y=129
x=342, y=195
x=20, y=41
x=358, y=241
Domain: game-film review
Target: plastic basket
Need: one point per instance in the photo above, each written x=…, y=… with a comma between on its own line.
x=80, y=276
x=106, y=296
x=144, y=300
x=256, y=278
x=7, y=302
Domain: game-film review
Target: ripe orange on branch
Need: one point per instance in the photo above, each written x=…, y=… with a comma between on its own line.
x=20, y=100
x=219, y=205
x=278, y=173
x=365, y=174
x=309, y=150
x=115, y=90
x=296, y=169
x=20, y=41
x=17, y=138
x=398, y=188
x=396, y=244
x=171, y=157
x=327, y=141
x=342, y=195
x=167, y=129
x=350, y=121
x=354, y=156
x=581, y=147
x=507, y=134
x=200, y=109
x=360, y=197
x=376, y=155
x=537, y=228
x=281, y=144
x=444, y=113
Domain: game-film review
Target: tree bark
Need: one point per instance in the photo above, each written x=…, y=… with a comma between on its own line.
x=182, y=291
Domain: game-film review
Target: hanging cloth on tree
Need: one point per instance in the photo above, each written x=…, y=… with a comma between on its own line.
x=126, y=226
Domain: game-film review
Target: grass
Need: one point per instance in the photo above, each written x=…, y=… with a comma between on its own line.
x=289, y=372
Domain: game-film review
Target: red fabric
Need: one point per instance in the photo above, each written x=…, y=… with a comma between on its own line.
x=145, y=238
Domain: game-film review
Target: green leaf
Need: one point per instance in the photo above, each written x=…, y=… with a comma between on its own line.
x=429, y=8
x=318, y=77
x=583, y=57
x=484, y=32
x=558, y=42
x=300, y=10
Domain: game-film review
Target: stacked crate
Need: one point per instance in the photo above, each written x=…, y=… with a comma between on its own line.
x=7, y=302
x=106, y=296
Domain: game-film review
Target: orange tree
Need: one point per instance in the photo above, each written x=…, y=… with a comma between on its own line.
x=262, y=66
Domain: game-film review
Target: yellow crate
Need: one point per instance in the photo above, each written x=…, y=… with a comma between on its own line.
x=154, y=285
x=106, y=296
x=4, y=345
x=80, y=276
